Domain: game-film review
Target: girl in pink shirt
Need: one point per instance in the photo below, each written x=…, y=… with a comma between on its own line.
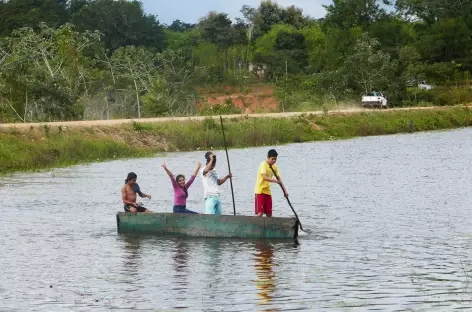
x=181, y=189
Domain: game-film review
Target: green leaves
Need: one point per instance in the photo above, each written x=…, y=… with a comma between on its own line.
x=106, y=58
x=369, y=68
x=122, y=22
x=45, y=72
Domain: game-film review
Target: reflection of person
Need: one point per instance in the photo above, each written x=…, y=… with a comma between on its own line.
x=181, y=256
x=131, y=254
x=179, y=285
x=265, y=275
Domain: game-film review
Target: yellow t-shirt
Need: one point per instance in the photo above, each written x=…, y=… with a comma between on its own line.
x=263, y=187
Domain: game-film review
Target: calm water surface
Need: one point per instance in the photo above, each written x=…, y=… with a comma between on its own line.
x=391, y=219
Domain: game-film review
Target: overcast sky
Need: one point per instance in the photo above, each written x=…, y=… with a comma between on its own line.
x=191, y=10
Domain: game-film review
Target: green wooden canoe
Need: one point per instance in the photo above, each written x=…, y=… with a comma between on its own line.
x=203, y=225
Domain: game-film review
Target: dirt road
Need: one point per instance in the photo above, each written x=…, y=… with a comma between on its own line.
x=114, y=122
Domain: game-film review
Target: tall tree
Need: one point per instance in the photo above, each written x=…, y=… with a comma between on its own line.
x=45, y=73
x=217, y=28
x=347, y=14
x=122, y=22
x=368, y=68
x=283, y=50
x=15, y=14
x=269, y=14
x=435, y=10
x=134, y=68
x=179, y=26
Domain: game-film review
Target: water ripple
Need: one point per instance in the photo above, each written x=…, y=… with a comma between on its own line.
x=390, y=217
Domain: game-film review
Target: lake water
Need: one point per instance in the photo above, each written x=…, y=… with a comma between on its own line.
x=391, y=218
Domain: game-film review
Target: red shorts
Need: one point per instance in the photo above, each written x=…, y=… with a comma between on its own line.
x=263, y=204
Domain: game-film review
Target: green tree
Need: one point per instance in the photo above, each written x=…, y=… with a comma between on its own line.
x=122, y=22
x=269, y=14
x=433, y=11
x=179, y=26
x=45, y=73
x=392, y=33
x=445, y=41
x=16, y=14
x=283, y=50
x=368, y=68
x=133, y=69
x=346, y=14
x=172, y=91
x=217, y=28
x=316, y=47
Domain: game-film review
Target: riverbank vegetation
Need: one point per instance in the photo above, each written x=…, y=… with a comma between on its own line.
x=45, y=146
x=104, y=59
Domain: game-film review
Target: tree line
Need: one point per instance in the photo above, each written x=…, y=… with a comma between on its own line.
x=101, y=59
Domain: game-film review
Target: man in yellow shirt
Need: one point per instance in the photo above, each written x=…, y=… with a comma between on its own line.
x=265, y=175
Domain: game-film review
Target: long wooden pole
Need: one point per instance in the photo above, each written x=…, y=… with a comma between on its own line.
x=288, y=200
x=229, y=167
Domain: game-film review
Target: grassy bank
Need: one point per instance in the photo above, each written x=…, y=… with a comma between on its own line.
x=45, y=147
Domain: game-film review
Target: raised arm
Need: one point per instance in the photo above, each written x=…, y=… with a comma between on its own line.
x=192, y=178
x=199, y=165
x=169, y=173
x=209, y=165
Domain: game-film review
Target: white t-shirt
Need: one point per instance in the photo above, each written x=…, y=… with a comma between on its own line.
x=210, y=183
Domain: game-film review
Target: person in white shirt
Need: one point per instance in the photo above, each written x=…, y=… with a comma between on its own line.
x=211, y=184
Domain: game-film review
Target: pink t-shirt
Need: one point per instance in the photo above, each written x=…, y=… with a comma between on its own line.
x=180, y=197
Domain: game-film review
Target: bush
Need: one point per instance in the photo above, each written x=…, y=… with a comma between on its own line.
x=441, y=96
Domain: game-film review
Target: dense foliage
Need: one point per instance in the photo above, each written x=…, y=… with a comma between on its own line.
x=100, y=59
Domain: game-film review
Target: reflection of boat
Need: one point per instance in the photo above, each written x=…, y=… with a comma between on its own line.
x=206, y=225
x=265, y=275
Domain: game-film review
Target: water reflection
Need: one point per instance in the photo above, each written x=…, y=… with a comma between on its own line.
x=398, y=227
x=265, y=281
x=180, y=259
x=131, y=256
x=215, y=278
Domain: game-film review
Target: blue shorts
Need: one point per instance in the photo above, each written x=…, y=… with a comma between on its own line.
x=213, y=205
x=182, y=209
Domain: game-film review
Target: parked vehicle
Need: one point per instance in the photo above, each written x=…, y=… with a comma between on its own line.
x=374, y=99
x=424, y=86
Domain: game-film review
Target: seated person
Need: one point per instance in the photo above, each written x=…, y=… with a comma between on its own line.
x=128, y=195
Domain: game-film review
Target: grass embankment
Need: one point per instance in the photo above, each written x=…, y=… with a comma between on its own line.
x=45, y=147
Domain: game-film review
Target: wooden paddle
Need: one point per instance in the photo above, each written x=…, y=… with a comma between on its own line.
x=288, y=200
x=229, y=168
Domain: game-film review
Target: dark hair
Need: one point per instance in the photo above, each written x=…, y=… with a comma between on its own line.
x=207, y=157
x=272, y=153
x=131, y=176
x=177, y=178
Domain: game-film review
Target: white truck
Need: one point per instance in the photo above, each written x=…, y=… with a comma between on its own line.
x=424, y=86
x=374, y=99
